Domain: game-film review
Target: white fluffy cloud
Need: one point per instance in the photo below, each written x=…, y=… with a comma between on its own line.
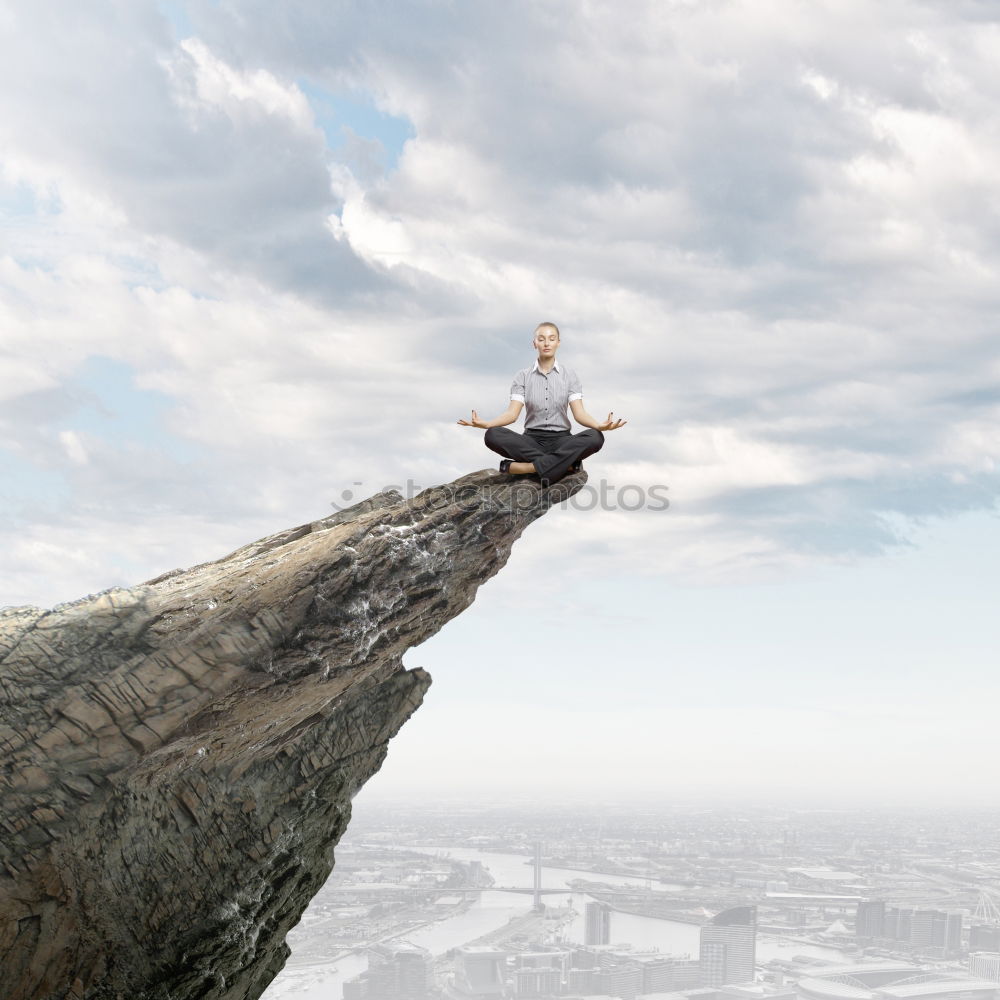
x=768, y=233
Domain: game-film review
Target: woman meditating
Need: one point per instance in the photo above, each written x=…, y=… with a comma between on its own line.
x=548, y=448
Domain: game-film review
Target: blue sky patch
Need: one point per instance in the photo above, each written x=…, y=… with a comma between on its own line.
x=357, y=110
x=112, y=408
x=18, y=201
x=25, y=483
x=175, y=13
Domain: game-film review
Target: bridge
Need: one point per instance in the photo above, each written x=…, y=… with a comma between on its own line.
x=626, y=893
x=440, y=890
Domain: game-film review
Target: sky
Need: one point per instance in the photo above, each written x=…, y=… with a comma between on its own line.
x=258, y=259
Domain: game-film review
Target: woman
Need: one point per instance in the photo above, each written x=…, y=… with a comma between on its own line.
x=548, y=448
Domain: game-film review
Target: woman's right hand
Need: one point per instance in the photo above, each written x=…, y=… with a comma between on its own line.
x=474, y=422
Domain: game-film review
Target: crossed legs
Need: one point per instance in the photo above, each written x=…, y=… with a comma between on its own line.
x=551, y=456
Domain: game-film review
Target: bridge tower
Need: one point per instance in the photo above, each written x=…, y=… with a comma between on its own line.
x=538, y=905
x=987, y=911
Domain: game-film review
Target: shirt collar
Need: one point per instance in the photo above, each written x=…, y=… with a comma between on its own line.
x=555, y=365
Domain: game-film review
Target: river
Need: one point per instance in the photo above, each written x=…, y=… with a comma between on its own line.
x=493, y=909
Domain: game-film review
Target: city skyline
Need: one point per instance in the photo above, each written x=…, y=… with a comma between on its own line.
x=699, y=904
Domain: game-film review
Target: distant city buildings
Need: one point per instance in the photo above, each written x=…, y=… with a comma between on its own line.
x=728, y=947
x=597, y=924
x=403, y=972
x=936, y=933
x=587, y=971
x=885, y=892
x=869, y=922
x=535, y=982
x=396, y=971
x=480, y=971
x=596, y=972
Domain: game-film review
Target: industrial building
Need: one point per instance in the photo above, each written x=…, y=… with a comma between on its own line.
x=893, y=981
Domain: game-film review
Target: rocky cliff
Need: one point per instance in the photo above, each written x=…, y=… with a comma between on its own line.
x=179, y=758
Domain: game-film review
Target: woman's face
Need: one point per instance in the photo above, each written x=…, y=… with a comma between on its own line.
x=546, y=341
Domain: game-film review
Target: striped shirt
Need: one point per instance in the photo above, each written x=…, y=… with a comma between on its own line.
x=546, y=396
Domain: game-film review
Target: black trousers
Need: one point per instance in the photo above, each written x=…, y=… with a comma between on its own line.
x=552, y=452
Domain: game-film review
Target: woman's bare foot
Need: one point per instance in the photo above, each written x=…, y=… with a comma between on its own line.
x=521, y=468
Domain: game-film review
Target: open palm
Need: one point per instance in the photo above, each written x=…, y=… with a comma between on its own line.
x=610, y=425
x=474, y=422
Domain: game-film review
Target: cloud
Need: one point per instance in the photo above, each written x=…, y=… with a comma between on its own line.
x=768, y=235
x=185, y=147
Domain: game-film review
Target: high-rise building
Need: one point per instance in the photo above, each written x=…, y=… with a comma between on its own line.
x=936, y=930
x=551, y=958
x=399, y=971
x=535, y=982
x=657, y=974
x=727, y=954
x=897, y=925
x=948, y=931
x=685, y=975
x=953, y=936
x=597, y=927
x=621, y=979
x=356, y=988
x=922, y=928
x=869, y=920
x=582, y=981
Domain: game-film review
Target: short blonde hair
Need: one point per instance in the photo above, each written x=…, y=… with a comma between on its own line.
x=551, y=326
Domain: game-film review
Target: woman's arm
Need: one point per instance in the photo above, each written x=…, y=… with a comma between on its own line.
x=583, y=417
x=508, y=416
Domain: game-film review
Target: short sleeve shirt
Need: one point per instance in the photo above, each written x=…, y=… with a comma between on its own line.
x=546, y=396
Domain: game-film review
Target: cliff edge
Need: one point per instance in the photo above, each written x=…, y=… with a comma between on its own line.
x=179, y=757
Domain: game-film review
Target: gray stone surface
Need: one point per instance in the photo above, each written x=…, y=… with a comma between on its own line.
x=179, y=758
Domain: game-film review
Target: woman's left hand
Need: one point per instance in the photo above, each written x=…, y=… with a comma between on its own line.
x=610, y=425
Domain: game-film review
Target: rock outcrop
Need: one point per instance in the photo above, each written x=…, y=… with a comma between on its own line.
x=179, y=758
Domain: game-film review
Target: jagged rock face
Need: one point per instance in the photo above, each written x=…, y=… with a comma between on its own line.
x=179, y=758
